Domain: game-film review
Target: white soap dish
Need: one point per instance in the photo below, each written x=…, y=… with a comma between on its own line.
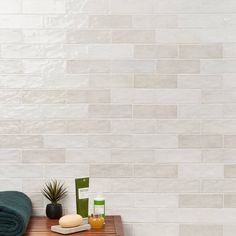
x=60, y=230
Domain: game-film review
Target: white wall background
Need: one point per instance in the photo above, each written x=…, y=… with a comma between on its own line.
x=138, y=94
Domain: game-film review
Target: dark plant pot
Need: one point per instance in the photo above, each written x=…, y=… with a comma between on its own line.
x=54, y=211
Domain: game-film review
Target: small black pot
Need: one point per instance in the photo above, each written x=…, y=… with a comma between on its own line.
x=54, y=211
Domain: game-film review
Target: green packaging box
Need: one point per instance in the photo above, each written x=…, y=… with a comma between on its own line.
x=82, y=198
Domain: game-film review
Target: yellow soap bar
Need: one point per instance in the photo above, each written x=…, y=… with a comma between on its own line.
x=69, y=221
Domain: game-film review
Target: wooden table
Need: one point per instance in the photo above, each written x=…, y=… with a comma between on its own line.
x=40, y=226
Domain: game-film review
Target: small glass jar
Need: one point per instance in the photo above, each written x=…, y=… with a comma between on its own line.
x=96, y=221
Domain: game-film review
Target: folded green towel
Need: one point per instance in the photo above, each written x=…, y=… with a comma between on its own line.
x=15, y=212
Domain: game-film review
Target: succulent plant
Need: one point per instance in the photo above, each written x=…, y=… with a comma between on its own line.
x=54, y=191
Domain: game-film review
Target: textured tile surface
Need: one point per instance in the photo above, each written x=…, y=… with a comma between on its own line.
x=138, y=94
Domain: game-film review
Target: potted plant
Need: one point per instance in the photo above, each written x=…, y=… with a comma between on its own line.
x=54, y=191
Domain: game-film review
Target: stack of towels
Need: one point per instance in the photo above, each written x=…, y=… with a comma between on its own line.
x=15, y=213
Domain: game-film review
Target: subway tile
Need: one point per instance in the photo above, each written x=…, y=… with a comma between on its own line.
x=133, y=36
x=88, y=156
x=147, y=80
x=88, y=36
x=178, y=186
x=10, y=156
x=88, y=126
x=43, y=7
x=43, y=127
x=111, y=81
x=203, y=51
x=110, y=111
x=200, y=141
x=158, y=171
x=155, y=141
x=155, y=111
x=111, y=170
x=155, y=51
x=87, y=66
x=155, y=96
x=133, y=126
x=203, y=230
x=178, y=66
x=229, y=141
x=201, y=200
x=155, y=21
x=195, y=171
x=88, y=7
x=199, y=81
x=88, y=96
x=43, y=96
x=152, y=229
x=230, y=171
x=218, y=186
x=110, y=21
x=43, y=156
x=132, y=156
x=178, y=156
x=65, y=141
x=229, y=200
x=178, y=127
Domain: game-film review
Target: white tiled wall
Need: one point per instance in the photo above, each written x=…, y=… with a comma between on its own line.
x=138, y=94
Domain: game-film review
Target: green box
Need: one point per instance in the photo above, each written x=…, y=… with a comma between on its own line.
x=82, y=199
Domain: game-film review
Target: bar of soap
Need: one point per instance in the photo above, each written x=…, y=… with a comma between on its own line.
x=60, y=230
x=70, y=221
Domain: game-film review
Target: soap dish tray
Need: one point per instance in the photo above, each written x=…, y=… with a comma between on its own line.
x=60, y=230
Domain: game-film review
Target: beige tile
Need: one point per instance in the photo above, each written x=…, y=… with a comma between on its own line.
x=155, y=51
x=89, y=36
x=110, y=141
x=65, y=141
x=155, y=21
x=229, y=141
x=133, y=36
x=88, y=96
x=218, y=96
x=111, y=170
x=219, y=155
x=155, y=81
x=199, y=81
x=203, y=51
x=88, y=156
x=152, y=229
x=132, y=156
x=85, y=66
x=196, y=171
x=90, y=6
x=43, y=7
x=133, y=126
x=201, y=230
x=88, y=126
x=110, y=111
x=10, y=156
x=155, y=141
x=200, y=141
x=10, y=127
x=201, y=200
x=178, y=186
x=111, y=81
x=178, y=156
x=218, y=186
x=21, y=141
x=229, y=230
x=230, y=171
x=39, y=127
x=110, y=21
x=178, y=127
x=155, y=111
x=229, y=200
x=178, y=66
x=43, y=156
x=43, y=96
x=159, y=171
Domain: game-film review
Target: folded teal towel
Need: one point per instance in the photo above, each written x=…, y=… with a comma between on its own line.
x=15, y=212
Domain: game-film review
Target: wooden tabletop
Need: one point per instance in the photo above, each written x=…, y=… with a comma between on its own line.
x=40, y=226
